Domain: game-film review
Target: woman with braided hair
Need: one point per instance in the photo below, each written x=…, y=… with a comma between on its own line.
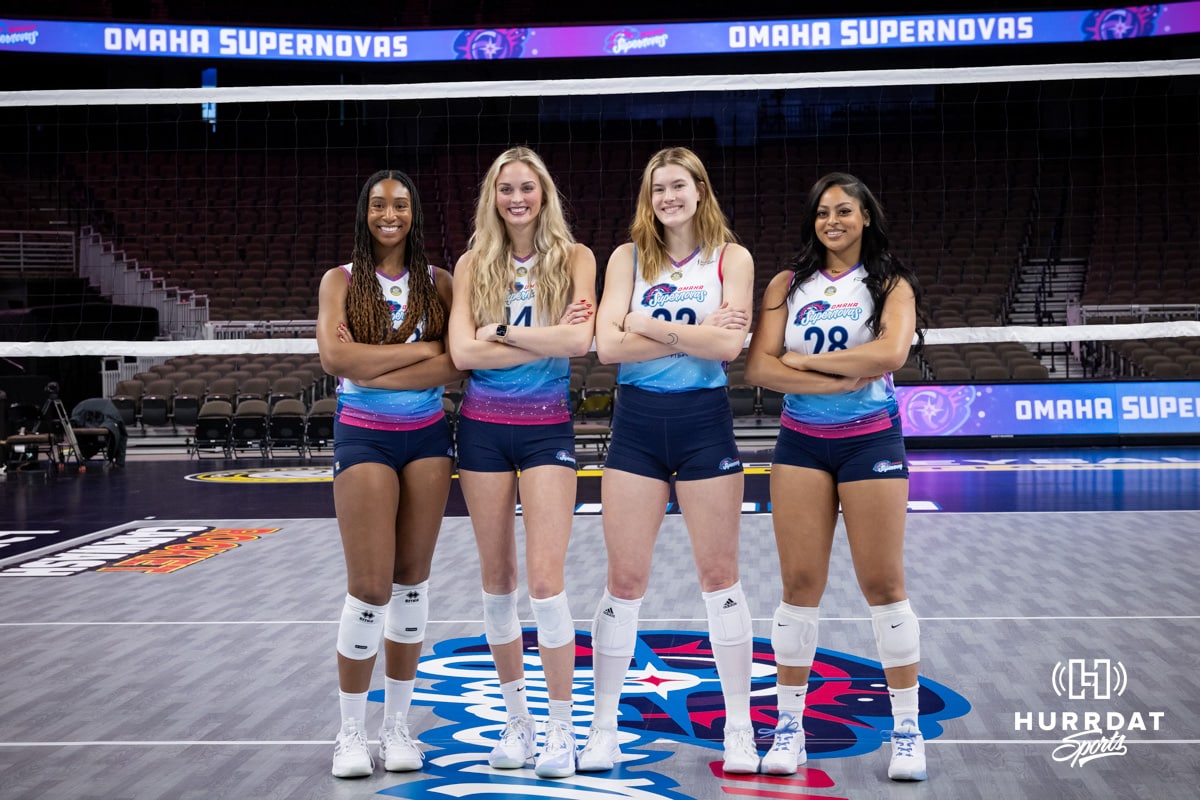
x=380, y=328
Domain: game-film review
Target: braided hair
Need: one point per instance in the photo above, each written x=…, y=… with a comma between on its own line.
x=367, y=312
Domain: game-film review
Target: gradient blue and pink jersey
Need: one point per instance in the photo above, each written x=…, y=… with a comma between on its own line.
x=390, y=409
x=687, y=292
x=831, y=313
x=525, y=394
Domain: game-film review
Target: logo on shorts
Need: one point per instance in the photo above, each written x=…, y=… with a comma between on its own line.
x=728, y=464
x=563, y=455
x=887, y=466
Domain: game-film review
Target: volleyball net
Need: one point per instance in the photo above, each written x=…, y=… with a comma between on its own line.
x=1050, y=206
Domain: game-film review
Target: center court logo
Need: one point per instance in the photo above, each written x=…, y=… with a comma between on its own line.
x=1089, y=734
x=672, y=695
x=266, y=475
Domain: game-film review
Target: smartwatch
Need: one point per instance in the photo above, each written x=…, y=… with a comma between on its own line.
x=501, y=332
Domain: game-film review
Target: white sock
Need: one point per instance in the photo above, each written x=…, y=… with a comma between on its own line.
x=397, y=697
x=514, y=698
x=904, y=705
x=354, y=706
x=609, y=671
x=561, y=710
x=730, y=635
x=791, y=699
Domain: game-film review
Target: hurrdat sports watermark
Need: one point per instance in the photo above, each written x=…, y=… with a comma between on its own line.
x=1092, y=733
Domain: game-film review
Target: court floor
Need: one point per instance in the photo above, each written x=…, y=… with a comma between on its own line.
x=167, y=631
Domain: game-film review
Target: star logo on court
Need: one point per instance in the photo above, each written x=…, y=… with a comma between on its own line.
x=652, y=680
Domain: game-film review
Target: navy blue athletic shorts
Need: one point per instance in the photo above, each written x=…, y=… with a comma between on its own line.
x=499, y=447
x=853, y=458
x=685, y=434
x=396, y=449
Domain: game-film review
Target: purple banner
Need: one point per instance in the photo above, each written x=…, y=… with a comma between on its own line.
x=691, y=38
x=1051, y=409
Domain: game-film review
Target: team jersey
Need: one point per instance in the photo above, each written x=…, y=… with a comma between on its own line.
x=686, y=292
x=824, y=314
x=390, y=409
x=525, y=394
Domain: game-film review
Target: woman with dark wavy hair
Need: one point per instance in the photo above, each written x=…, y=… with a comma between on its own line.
x=832, y=329
x=381, y=325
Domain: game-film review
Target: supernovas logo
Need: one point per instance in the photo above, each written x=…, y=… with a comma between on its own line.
x=672, y=694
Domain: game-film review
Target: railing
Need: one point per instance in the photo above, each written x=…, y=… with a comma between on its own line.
x=261, y=329
x=181, y=315
x=36, y=253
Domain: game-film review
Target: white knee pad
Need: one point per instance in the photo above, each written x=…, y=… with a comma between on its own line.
x=614, y=628
x=500, y=622
x=794, y=635
x=555, y=627
x=728, y=616
x=897, y=634
x=407, y=613
x=360, y=629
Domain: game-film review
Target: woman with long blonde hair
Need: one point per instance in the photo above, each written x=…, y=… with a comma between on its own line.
x=524, y=307
x=676, y=306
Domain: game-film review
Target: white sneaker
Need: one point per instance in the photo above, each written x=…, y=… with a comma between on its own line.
x=516, y=744
x=557, y=759
x=908, y=753
x=397, y=749
x=741, y=755
x=600, y=751
x=787, y=752
x=351, y=756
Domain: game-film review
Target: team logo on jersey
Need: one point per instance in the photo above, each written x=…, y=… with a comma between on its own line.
x=491, y=43
x=728, y=464
x=520, y=292
x=672, y=693
x=887, y=466
x=1129, y=22
x=660, y=294
x=821, y=311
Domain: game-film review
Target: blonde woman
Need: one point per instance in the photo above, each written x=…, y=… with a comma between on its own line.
x=524, y=307
x=677, y=304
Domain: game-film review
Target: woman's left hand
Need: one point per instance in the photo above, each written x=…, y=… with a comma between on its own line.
x=577, y=312
x=737, y=319
x=343, y=334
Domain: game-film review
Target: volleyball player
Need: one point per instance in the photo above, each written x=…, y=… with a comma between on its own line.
x=831, y=330
x=677, y=304
x=380, y=327
x=524, y=306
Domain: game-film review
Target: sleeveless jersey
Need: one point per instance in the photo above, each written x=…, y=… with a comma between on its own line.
x=525, y=394
x=687, y=293
x=824, y=314
x=390, y=409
